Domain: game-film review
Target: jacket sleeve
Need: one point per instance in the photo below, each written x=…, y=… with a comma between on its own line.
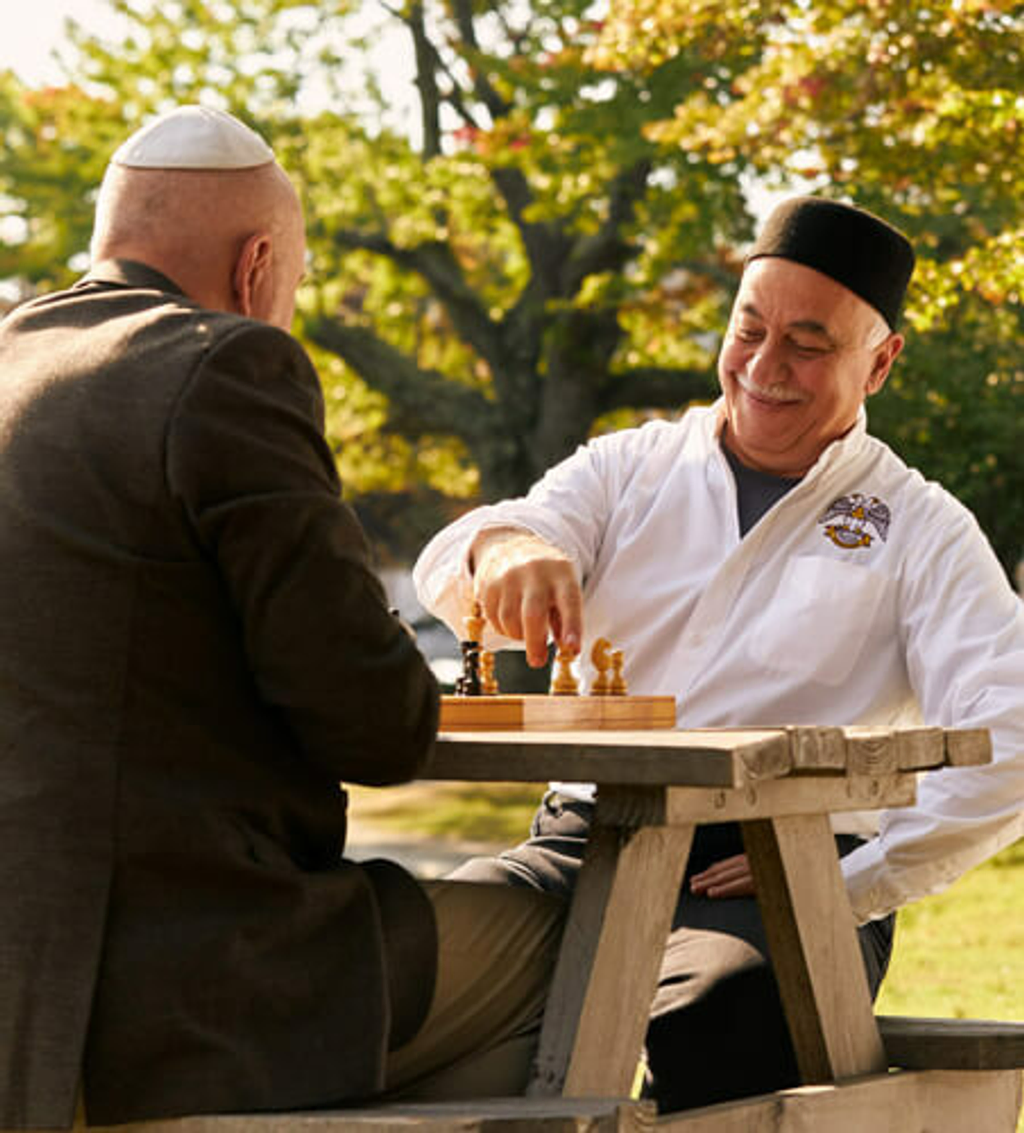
x=964, y=642
x=247, y=463
x=568, y=508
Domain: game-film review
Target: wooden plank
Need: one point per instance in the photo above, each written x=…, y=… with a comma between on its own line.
x=902, y=1102
x=711, y=759
x=970, y=1101
x=502, y=1115
x=813, y=943
x=870, y=751
x=534, y=712
x=952, y=1044
x=918, y=749
x=879, y=1104
x=817, y=748
x=968, y=747
x=607, y=970
x=792, y=796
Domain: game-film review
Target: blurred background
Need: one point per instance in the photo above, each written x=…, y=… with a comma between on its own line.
x=527, y=218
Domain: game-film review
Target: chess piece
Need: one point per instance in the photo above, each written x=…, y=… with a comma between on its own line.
x=474, y=623
x=488, y=680
x=469, y=683
x=602, y=661
x=618, y=683
x=565, y=683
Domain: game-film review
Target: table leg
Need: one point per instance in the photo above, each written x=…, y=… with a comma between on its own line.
x=813, y=942
x=607, y=971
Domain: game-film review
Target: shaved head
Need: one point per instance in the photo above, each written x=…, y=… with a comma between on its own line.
x=232, y=239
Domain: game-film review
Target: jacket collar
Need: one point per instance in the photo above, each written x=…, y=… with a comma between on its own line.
x=842, y=448
x=129, y=273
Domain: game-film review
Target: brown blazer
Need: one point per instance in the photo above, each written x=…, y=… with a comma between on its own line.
x=193, y=652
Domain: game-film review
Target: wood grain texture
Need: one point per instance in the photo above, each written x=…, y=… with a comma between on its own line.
x=792, y=796
x=502, y=1115
x=870, y=751
x=535, y=712
x=968, y=747
x=918, y=749
x=817, y=748
x=903, y=1102
x=700, y=758
x=608, y=966
x=813, y=942
x=952, y=1044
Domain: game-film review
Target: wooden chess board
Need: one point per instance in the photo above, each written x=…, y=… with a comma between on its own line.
x=536, y=712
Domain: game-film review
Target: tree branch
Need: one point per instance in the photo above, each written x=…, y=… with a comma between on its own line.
x=421, y=401
x=436, y=263
x=655, y=387
x=462, y=10
x=606, y=250
x=426, y=81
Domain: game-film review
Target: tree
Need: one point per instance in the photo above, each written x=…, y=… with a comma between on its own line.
x=500, y=282
x=527, y=266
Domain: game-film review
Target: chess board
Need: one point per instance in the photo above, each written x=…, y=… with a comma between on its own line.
x=536, y=712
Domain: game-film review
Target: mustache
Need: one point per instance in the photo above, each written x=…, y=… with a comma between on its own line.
x=780, y=393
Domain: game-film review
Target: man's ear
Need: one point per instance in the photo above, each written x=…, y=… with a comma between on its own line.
x=885, y=355
x=250, y=275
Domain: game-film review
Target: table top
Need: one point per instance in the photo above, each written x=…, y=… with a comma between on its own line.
x=702, y=757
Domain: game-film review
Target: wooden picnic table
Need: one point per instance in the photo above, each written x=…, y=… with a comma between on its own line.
x=781, y=785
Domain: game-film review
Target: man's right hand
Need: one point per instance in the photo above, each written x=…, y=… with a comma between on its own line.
x=528, y=590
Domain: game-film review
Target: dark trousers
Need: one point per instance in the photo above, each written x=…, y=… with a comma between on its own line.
x=717, y=1028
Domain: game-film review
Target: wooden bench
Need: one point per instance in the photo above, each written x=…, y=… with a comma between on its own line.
x=955, y=1075
x=952, y=1044
x=504, y=1115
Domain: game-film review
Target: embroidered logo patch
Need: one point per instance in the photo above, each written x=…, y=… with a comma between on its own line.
x=850, y=520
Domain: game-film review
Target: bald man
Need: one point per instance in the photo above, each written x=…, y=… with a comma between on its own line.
x=195, y=653
x=765, y=561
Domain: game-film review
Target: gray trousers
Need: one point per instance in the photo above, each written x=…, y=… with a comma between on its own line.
x=717, y=1029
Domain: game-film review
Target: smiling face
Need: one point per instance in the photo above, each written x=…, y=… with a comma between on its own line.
x=801, y=354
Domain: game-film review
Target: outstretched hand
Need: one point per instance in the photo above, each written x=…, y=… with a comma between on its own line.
x=528, y=591
x=730, y=877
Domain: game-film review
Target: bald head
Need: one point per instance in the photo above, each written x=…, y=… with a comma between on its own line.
x=232, y=239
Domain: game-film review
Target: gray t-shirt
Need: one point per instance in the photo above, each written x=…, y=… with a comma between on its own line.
x=756, y=491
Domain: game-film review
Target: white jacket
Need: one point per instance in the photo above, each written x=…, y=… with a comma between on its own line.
x=867, y=595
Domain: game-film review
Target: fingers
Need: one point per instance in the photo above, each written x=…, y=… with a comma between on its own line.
x=528, y=592
x=730, y=877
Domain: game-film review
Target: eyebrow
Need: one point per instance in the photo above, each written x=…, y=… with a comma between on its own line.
x=809, y=326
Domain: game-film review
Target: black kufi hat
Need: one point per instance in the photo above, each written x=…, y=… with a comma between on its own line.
x=850, y=245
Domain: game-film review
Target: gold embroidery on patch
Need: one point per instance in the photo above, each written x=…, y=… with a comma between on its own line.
x=847, y=520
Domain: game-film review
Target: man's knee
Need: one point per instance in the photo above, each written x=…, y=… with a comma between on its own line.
x=549, y=860
x=497, y=949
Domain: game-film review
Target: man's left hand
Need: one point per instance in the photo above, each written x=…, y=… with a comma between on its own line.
x=730, y=877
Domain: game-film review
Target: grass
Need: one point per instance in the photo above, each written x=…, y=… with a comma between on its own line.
x=959, y=954
x=471, y=812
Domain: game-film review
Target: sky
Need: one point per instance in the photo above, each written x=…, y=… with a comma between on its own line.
x=29, y=40
x=27, y=47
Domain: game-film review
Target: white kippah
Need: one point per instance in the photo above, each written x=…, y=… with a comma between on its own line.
x=194, y=137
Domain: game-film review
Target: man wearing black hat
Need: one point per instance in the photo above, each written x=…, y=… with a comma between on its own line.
x=766, y=561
